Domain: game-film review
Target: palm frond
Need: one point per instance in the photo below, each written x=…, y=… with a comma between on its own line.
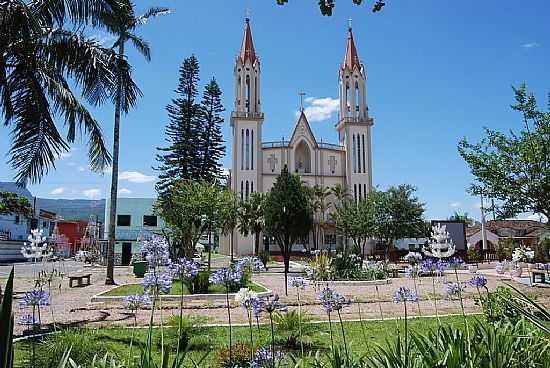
x=74, y=11
x=128, y=91
x=152, y=12
x=141, y=45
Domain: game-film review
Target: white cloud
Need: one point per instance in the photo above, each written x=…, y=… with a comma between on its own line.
x=533, y=217
x=104, y=39
x=320, y=109
x=64, y=155
x=530, y=45
x=81, y=168
x=58, y=191
x=455, y=204
x=125, y=191
x=135, y=177
x=93, y=193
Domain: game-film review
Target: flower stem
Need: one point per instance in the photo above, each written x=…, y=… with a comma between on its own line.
x=229, y=319
x=417, y=298
x=343, y=335
x=300, y=321
x=251, y=338
x=406, y=337
x=330, y=327
x=379, y=302
x=272, y=340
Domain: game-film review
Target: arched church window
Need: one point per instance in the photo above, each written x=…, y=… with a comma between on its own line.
x=242, y=190
x=354, y=154
x=252, y=149
x=365, y=190
x=247, y=93
x=348, y=108
x=358, y=153
x=302, y=158
x=246, y=195
x=355, y=192
x=247, y=145
x=242, y=149
x=251, y=187
x=356, y=96
x=363, y=139
x=360, y=196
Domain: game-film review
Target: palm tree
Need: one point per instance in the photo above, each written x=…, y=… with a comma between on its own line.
x=40, y=64
x=251, y=217
x=122, y=23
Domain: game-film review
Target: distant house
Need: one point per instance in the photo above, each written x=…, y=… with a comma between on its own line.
x=135, y=221
x=522, y=232
x=15, y=227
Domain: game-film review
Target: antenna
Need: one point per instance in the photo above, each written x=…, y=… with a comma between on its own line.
x=349, y=22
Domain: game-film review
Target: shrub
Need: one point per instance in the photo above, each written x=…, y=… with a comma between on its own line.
x=288, y=329
x=199, y=284
x=496, y=307
x=265, y=257
x=240, y=356
x=505, y=248
x=84, y=347
x=191, y=327
x=542, y=251
x=320, y=267
x=347, y=265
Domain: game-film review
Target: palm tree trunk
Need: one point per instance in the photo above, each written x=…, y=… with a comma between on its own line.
x=110, y=278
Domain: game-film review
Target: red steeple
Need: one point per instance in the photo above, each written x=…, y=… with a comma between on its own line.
x=247, y=47
x=351, y=59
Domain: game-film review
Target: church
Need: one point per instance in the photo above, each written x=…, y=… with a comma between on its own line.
x=256, y=164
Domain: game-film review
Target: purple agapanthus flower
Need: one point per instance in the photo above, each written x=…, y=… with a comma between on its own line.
x=156, y=251
x=137, y=301
x=250, y=263
x=258, y=305
x=183, y=269
x=455, y=288
x=332, y=301
x=298, y=282
x=404, y=294
x=455, y=263
x=225, y=276
x=34, y=298
x=412, y=271
x=263, y=357
x=273, y=304
x=157, y=283
x=28, y=320
x=478, y=281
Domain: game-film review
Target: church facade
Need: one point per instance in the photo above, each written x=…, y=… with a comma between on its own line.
x=256, y=163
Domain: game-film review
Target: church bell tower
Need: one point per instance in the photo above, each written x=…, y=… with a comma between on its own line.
x=246, y=120
x=354, y=124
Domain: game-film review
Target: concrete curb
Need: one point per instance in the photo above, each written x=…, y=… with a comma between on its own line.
x=186, y=298
x=356, y=282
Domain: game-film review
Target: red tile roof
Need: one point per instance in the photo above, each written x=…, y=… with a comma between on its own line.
x=247, y=46
x=527, y=227
x=351, y=59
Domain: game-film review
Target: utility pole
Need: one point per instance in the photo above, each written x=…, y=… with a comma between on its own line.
x=483, y=232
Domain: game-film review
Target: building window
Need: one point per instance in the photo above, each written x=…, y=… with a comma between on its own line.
x=242, y=190
x=17, y=219
x=363, y=138
x=358, y=153
x=251, y=187
x=354, y=155
x=242, y=149
x=247, y=188
x=247, y=81
x=330, y=240
x=355, y=192
x=123, y=220
x=360, y=195
x=365, y=190
x=251, y=149
x=247, y=149
x=149, y=220
x=356, y=96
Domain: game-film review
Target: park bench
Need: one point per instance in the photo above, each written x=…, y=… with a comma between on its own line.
x=80, y=279
x=541, y=275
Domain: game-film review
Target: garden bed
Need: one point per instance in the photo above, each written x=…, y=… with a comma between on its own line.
x=215, y=292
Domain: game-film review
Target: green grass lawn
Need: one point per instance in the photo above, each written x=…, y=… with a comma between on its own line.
x=177, y=287
x=209, y=340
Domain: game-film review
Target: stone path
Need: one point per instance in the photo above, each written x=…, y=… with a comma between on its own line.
x=72, y=306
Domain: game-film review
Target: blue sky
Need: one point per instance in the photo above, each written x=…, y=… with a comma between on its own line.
x=436, y=71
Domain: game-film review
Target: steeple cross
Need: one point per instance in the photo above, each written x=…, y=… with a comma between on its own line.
x=349, y=22
x=301, y=94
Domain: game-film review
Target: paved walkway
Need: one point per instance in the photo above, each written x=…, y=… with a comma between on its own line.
x=72, y=306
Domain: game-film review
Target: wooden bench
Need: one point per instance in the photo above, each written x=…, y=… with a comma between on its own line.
x=80, y=280
x=541, y=274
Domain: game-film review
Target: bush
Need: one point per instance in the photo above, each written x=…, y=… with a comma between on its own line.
x=265, y=257
x=199, y=284
x=347, y=265
x=240, y=356
x=542, y=251
x=288, y=329
x=505, y=248
x=191, y=327
x=84, y=347
x=496, y=307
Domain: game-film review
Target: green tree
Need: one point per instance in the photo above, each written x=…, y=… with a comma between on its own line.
x=326, y=6
x=42, y=62
x=514, y=168
x=229, y=216
x=11, y=203
x=398, y=214
x=180, y=160
x=355, y=220
x=211, y=140
x=251, y=217
x=288, y=216
x=320, y=205
x=122, y=23
x=464, y=217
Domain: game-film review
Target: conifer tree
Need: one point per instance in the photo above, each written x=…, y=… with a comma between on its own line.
x=181, y=159
x=211, y=138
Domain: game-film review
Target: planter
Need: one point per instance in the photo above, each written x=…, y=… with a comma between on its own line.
x=140, y=268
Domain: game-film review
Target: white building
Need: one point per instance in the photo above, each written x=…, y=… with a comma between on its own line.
x=256, y=164
x=135, y=222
